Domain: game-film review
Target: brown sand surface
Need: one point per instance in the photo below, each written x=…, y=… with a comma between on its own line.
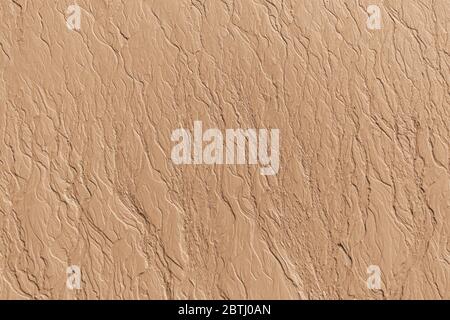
x=87, y=179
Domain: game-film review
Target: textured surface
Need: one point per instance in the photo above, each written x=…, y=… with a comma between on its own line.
x=86, y=177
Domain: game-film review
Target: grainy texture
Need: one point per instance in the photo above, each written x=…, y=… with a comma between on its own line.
x=86, y=176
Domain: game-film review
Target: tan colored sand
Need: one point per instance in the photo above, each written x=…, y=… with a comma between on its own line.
x=86, y=177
